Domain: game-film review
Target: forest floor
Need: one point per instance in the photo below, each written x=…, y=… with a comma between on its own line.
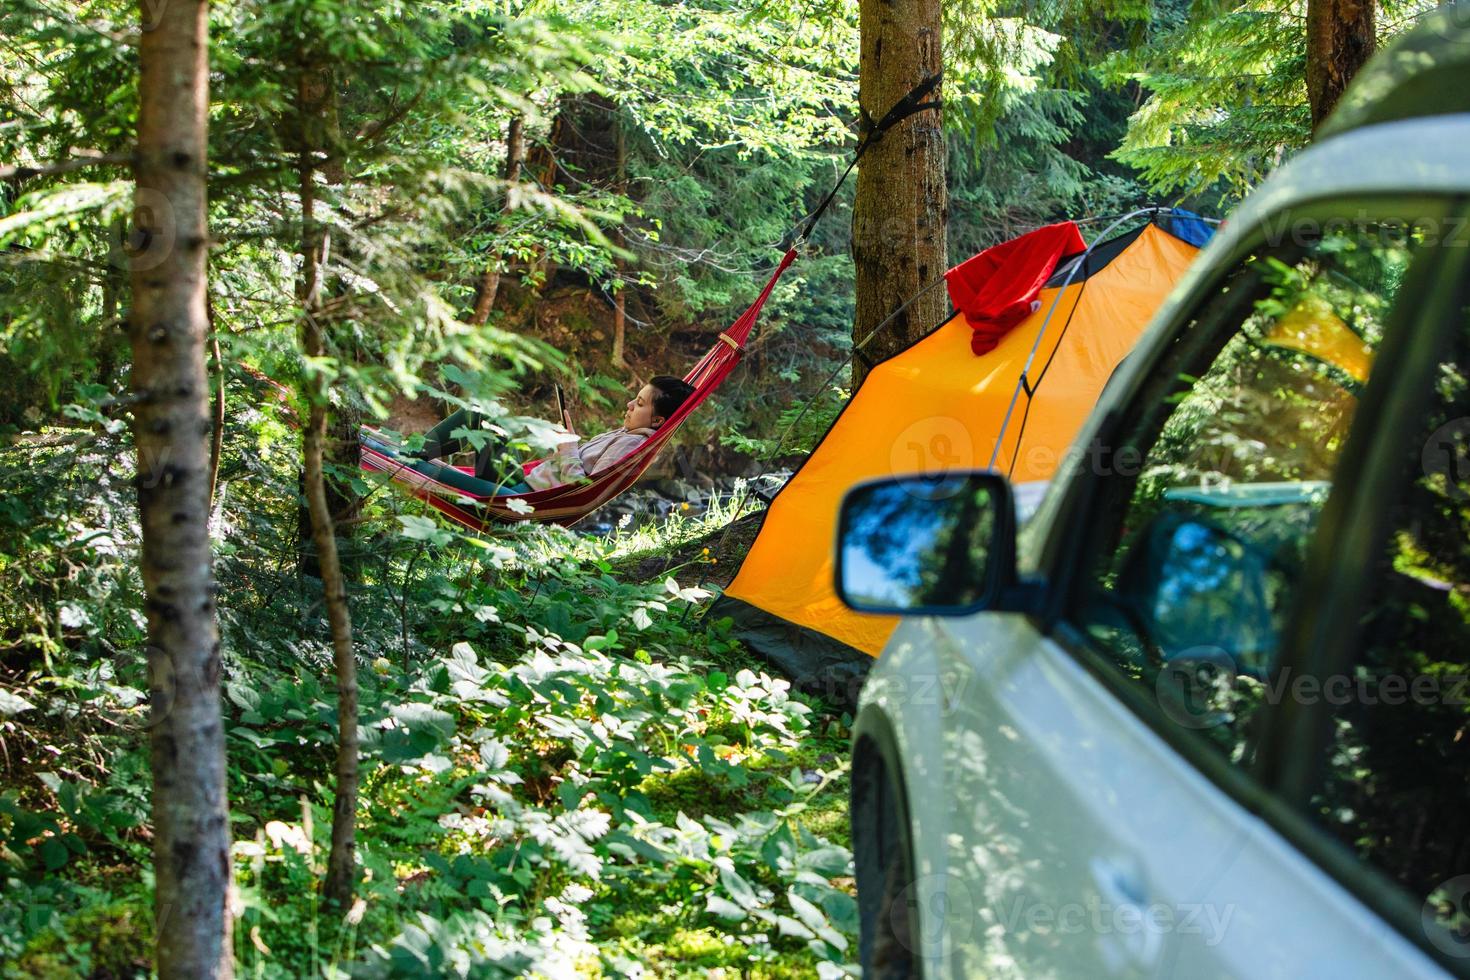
x=568, y=769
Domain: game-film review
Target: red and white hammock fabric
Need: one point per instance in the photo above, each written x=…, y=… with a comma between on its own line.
x=570, y=503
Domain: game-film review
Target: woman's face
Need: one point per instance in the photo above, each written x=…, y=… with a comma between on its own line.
x=640, y=410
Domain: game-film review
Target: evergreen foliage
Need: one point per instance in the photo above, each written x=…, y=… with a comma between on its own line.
x=1225, y=98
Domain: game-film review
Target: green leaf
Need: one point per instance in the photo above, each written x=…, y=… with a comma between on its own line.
x=417, y=528
x=243, y=696
x=842, y=911
x=830, y=860
x=54, y=853
x=738, y=887
x=809, y=914
x=790, y=927
x=601, y=642
x=13, y=704
x=418, y=717
x=779, y=847
x=253, y=737
x=724, y=908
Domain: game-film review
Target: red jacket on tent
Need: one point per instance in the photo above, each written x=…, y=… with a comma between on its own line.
x=995, y=289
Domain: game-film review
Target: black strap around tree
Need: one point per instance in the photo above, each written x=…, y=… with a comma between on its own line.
x=871, y=133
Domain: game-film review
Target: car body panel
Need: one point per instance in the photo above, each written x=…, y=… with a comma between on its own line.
x=1057, y=835
x=1082, y=841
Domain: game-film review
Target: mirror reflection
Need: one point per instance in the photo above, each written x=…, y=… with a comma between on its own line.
x=918, y=543
x=1195, y=585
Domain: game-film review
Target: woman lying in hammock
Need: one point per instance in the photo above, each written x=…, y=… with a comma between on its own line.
x=573, y=460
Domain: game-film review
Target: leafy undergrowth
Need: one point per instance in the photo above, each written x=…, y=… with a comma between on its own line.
x=576, y=812
x=566, y=773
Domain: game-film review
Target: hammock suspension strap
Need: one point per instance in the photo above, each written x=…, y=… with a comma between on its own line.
x=871, y=132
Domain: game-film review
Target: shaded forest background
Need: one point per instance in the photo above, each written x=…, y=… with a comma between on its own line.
x=658, y=157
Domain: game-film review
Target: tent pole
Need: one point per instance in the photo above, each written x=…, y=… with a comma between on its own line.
x=1023, y=382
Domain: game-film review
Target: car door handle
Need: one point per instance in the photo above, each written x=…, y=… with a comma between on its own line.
x=1129, y=939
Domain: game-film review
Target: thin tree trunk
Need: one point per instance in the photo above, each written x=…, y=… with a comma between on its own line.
x=620, y=316
x=114, y=286
x=515, y=158
x=315, y=89
x=321, y=131
x=344, y=419
x=217, y=436
x=344, y=454
x=1341, y=37
x=341, y=862
x=899, y=215
x=167, y=329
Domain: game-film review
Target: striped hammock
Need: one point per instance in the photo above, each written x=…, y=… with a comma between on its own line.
x=570, y=503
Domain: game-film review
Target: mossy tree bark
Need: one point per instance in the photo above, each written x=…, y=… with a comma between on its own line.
x=167, y=329
x=902, y=204
x=1341, y=37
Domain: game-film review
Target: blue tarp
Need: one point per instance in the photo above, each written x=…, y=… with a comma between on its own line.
x=1188, y=227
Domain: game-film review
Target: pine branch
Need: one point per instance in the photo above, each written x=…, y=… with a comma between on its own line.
x=64, y=166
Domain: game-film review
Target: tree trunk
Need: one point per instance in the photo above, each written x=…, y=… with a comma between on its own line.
x=320, y=131
x=217, y=441
x=315, y=90
x=515, y=157
x=167, y=329
x=898, y=222
x=114, y=288
x=1341, y=36
x=620, y=313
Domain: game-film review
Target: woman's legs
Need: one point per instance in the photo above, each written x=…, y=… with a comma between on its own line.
x=439, y=442
x=460, y=480
x=457, y=478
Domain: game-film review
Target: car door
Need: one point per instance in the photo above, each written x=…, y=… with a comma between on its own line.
x=1107, y=758
x=1365, y=852
x=1067, y=855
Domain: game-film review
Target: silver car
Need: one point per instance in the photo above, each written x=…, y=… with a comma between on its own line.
x=1206, y=713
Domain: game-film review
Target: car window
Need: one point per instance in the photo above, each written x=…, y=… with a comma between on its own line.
x=1211, y=501
x=1396, y=774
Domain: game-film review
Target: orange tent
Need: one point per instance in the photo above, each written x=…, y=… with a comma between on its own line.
x=937, y=406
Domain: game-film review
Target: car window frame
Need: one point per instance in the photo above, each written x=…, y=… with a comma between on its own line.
x=1270, y=789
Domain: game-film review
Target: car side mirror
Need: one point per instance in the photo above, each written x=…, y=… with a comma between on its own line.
x=940, y=545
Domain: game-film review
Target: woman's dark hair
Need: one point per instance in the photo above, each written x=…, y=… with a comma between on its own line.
x=668, y=394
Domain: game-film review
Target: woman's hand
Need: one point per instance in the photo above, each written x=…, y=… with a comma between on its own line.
x=566, y=420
